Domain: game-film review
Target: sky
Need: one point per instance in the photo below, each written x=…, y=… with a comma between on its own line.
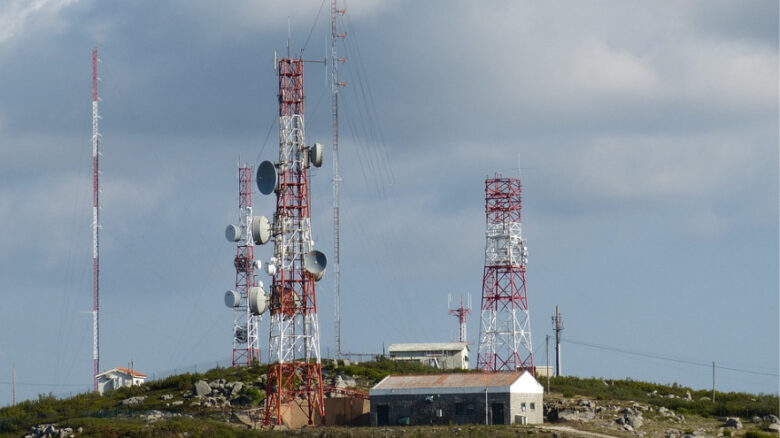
x=645, y=135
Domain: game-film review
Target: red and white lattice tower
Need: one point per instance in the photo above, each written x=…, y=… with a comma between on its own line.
x=246, y=340
x=95, y=224
x=505, y=331
x=461, y=313
x=295, y=370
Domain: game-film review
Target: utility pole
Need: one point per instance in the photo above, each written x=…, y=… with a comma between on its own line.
x=486, y=406
x=558, y=327
x=713, y=381
x=547, y=364
x=13, y=380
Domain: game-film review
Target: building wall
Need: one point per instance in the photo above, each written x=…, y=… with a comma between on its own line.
x=351, y=411
x=529, y=406
x=442, y=409
x=447, y=360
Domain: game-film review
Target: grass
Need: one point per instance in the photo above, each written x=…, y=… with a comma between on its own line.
x=106, y=416
x=731, y=404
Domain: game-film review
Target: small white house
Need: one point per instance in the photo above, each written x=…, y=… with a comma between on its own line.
x=117, y=378
x=442, y=355
x=469, y=398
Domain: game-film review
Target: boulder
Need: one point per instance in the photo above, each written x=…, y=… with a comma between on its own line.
x=774, y=428
x=572, y=415
x=166, y=396
x=688, y=395
x=133, y=401
x=235, y=389
x=635, y=421
x=772, y=419
x=201, y=388
x=733, y=422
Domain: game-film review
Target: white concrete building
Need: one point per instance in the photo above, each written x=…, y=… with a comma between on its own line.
x=442, y=355
x=466, y=398
x=117, y=378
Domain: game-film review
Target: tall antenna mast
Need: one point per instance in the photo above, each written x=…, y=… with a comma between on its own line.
x=95, y=223
x=461, y=313
x=249, y=231
x=505, y=331
x=334, y=90
x=295, y=367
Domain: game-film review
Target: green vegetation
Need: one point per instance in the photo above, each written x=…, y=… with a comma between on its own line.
x=107, y=417
x=733, y=404
x=378, y=370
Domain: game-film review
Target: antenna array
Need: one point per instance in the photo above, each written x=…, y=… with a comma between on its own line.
x=505, y=329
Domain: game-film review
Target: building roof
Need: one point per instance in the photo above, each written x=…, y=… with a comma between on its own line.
x=428, y=346
x=458, y=383
x=123, y=370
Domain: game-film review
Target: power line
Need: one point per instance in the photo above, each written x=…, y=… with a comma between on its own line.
x=667, y=358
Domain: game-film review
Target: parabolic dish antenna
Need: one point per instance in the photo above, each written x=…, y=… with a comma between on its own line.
x=266, y=177
x=315, y=154
x=314, y=262
x=261, y=229
x=232, y=299
x=233, y=233
x=258, y=301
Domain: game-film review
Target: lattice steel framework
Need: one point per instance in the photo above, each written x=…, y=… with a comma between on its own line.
x=505, y=331
x=295, y=370
x=95, y=224
x=246, y=339
x=461, y=313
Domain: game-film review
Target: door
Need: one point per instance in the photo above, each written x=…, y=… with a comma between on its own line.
x=382, y=415
x=498, y=413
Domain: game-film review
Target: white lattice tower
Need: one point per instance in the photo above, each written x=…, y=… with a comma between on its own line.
x=505, y=329
x=295, y=370
x=246, y=339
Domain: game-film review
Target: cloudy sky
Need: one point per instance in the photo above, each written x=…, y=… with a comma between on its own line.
x=645, y=134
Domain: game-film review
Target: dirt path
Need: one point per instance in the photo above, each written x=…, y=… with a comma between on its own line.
x=574, y=431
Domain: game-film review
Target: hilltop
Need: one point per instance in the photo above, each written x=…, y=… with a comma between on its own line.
x=227, y=402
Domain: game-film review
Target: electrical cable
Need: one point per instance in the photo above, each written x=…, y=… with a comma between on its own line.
x=666, y=358
x=312, y=28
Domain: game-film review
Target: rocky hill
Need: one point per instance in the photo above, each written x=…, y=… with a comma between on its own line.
x=229, y=402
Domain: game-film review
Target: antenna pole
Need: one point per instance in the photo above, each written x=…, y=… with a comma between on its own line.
x=95, y=224
x=13, y=380
x=461, y=313
x=558, y=327
x=334, y=90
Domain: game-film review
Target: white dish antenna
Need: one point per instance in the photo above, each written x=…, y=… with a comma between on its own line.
x=233, y=233
x=315, y=154
x=258, y=300
x=232, y=299
x=261, y=230
x=314, y=263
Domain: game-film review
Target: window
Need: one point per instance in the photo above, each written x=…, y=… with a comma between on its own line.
x=522, y=406
x=533, y=406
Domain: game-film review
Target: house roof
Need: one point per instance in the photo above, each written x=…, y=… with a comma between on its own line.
x=458, y=383
x=122, y=370
x=428, y=346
